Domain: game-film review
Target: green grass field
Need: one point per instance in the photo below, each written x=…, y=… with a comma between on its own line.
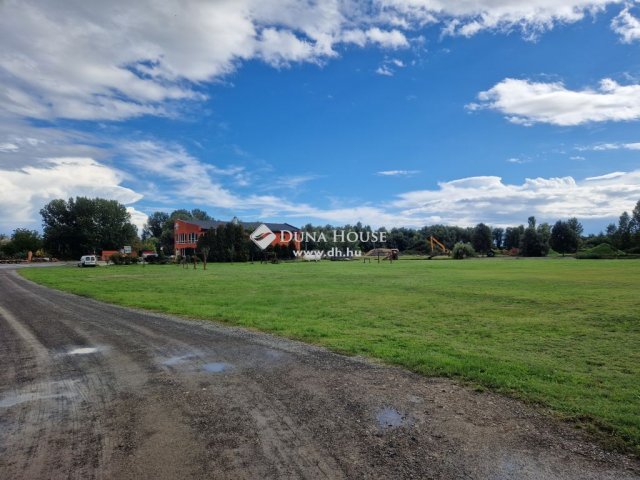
x=563, y=333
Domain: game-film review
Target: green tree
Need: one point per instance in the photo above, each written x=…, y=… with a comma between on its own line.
x=544, y=231
x=498, y=237
x=576, y=226
x=532, y=243
x=462, y=250
x=86, y=225
x=481, y=239
x=623, y=232
x=512, y=237
x=635, y=225
x=154, y=225
x=25, y=240
x=564, y=238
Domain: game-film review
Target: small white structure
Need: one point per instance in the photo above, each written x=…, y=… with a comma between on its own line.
x=313, y=256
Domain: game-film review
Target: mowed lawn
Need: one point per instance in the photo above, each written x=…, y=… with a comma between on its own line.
x=561, y=332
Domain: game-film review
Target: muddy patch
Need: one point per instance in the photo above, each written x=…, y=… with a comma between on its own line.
x=39, y=392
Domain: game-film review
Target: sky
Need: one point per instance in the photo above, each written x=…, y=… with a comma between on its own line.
x=386, y=112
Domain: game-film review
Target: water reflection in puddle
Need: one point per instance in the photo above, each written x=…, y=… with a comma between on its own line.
x=82, y=351
x=178, y=359
x=389, y=417
x=216, y=367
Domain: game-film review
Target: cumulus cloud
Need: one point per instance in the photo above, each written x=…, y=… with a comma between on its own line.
x=121, y=59
x=24, y=191
x=526, y=102
x=627, y=26
x=489, y=199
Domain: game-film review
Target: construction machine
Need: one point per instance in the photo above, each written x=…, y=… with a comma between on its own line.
x=440, y=250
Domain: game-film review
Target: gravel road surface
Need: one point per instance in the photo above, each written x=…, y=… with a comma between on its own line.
x=90, y=390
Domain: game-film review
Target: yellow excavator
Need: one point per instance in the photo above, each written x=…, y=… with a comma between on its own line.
x=440, y=250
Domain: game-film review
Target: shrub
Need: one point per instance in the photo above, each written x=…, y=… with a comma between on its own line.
x=603, y=250
x=462, y=250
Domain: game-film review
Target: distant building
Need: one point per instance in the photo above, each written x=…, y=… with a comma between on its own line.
x=106, y=254
x=187, y=232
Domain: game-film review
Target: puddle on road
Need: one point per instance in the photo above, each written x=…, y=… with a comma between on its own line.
x=178, y=359
x=389, y=417
x=217, y=367
x=82, y=351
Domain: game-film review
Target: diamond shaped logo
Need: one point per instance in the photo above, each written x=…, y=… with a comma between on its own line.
x=262, y=236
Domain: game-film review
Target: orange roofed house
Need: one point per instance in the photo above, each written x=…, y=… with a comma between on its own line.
x=187, y=232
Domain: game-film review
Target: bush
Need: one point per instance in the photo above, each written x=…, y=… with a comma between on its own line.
x=462, y=250
x=603, y=250
x=119, y=259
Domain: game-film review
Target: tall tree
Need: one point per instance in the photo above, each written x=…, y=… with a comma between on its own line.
x=513, y=236
x=25, y=240
x=635, y=225
x=532, y=242
x=85, y=225
x=153, y=227
x=544, y=231
x=563, y=238
x=481, y=238
x=498, y=236
x=623, y=232
x=576, y=226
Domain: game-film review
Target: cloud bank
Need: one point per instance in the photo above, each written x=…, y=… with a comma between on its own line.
x=120, y=59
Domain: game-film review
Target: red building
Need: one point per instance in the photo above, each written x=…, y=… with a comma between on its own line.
x=187, y=232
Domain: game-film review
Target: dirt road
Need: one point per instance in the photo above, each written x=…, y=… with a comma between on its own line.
x=89, y=390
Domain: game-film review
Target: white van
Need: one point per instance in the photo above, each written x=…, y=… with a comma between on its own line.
x=87, y=261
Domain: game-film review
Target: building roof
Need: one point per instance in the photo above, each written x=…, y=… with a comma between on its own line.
x=274, y=227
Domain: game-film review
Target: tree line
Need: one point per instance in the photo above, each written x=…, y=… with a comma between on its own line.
x=83, y=225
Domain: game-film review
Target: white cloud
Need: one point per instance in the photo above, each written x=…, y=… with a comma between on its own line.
x=516, y=160
x=392, y=39
x=24, y=191
x=121, y=59
x=8, y=147
x=138, y=218
x=387, y=38
x=384, y=70
x=578, y=158
x=488, y=199
x=526, y=102
x=468, y=17
x=397, y=173
x=388, y=65
x=613, y=146
x=627, y=26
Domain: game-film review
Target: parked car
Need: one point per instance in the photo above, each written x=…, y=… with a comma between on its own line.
x=87, y=261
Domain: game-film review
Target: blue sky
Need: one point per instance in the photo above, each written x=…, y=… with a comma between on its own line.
x=390, y=112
